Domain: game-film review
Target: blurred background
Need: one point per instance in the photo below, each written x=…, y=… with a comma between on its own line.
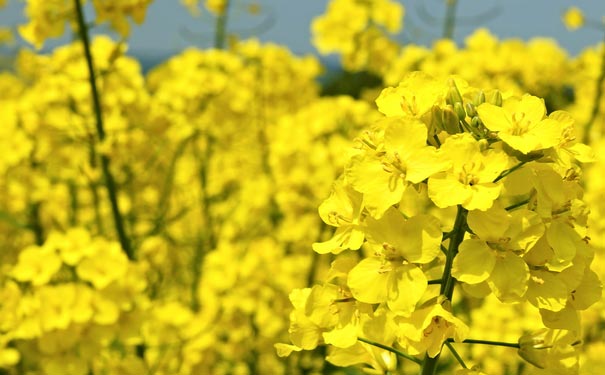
x=169, y=27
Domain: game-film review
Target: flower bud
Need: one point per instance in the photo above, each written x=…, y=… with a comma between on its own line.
x=470, y=109
x=453, y=95
x=450, y=121
x=495, y=98
x=436, y=121
x=479, y=98
x=459, y=110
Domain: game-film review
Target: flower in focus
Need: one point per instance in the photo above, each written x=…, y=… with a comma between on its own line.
x=521, y=123
x=469, y=181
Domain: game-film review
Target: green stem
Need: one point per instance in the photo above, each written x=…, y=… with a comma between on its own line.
x=447, y=287
x=166, y=191
x=517, y=205
x=110, y=183
x=450, y=19
x=489, y=342
x=207, y=239
x=434, y=282
x=455, y=354
x=509, y=171
x=73, y=203
x=390, y=349
x=34, y=219
x=220, y=35
x=597, y=100
x=429, y=365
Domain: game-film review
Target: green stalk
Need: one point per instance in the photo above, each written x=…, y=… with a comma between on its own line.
x=220, y=34
x=450, y=19
x=206, y=240
x=597, y=100
x=110, y=183
x=429, y=365
x=392, y=350
x=489, y=342
x=34, y=219
x=455, y=354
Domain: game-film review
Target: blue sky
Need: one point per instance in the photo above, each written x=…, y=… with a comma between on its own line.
x=170, y=28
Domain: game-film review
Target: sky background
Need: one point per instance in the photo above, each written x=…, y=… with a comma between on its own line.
x=169, y=27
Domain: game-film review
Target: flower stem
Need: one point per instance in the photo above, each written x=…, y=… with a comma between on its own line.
x=509, y=171
x=488, y=342
x=597, y=100
x=110, y=183
x=455, y=354
x=517, y=205
x=390, y=349
x=450, y=19
x=429, y=365
x=220, y=32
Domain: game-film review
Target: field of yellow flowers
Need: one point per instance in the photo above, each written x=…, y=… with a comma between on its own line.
x=222, y=215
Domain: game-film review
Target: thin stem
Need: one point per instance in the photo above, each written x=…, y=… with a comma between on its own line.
x=110, y=183
x=597, y=100
x=447, y=287
x=390, y=349
x=429, y=365
x=450, y=19
x=435, y=282
x=509, y=171
x=207, y=239
x=489, y=342
x=34, y=219
x=443, y=250
x=220, y=36
x=166, y=191
x=455, y=354
x=517, y=205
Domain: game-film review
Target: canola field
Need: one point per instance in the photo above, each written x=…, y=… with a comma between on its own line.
x=222, y=214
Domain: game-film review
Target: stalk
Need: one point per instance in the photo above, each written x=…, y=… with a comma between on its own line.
x=597, y=100
x=429, y=365
x=220, y=32
x=110, y=183
x=207, y=241
x=450, y=19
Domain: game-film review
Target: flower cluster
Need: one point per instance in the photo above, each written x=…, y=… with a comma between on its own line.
x=519, y=231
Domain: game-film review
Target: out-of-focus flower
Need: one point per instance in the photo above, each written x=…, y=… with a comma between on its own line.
x=573, y=18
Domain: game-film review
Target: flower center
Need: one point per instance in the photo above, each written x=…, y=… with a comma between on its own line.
x=520, y=123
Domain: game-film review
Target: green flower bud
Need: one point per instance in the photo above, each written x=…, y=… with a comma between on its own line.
x=495, y=98
x=470, y=109
x=453, y=95
x=459, y=109
x=479, y=98
x=450, y=121
x=435, y=121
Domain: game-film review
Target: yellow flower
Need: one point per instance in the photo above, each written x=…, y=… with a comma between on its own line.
x=494, y=256
x=406, y=160
x=107, y=264
x=553, y=349
x=217, y=7
x=573, y=18
x=469, y=181
x=521, y=123
x=414, y=96
x=342, y=209
x=37, y=265
x=428, y=328
x=46, y=20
